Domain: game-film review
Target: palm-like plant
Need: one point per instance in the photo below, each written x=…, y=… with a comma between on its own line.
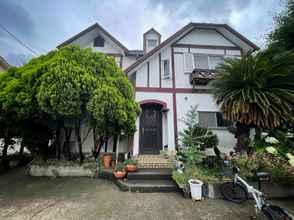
x=256, y=90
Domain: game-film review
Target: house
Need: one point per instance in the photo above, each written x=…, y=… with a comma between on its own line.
x=3, y=64
x=169, y=77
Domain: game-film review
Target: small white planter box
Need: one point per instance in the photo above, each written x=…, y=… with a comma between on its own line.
x=196, y=189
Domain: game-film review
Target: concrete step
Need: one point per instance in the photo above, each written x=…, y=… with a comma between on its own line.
x=154, y=161
x=147, y=186
x=150, y=174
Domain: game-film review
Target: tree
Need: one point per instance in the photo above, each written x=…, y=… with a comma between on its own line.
x=282, y=38
x=194, y=136
x=63, y=93
x=112, y=112
x=256, y=91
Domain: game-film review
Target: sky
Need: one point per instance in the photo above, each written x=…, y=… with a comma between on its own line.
x=43, y=24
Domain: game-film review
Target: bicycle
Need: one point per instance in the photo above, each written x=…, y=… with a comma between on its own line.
x=237, y=191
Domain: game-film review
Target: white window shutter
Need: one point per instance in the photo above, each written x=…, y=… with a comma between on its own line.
x=188, y=62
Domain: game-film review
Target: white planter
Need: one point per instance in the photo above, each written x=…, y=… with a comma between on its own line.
x=196, y=189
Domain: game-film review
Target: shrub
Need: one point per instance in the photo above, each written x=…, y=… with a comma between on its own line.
x=281, y=171
x=130, y=162
x=195, y=136
x=119, y=167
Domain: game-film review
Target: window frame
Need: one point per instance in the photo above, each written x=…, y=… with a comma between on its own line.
x=101, y=40
x=148, y=45
x=216, y=126
x=208, y=59
x=166, y=76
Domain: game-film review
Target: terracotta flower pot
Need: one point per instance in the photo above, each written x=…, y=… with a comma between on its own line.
x=107, y=160
x=119, y=174
x=131, y=168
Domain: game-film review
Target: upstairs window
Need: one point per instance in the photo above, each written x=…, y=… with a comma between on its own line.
x=166, y=69
x=151, y=43
x=201, y=61
x=99, y=41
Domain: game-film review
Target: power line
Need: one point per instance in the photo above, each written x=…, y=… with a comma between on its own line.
x=18, y=40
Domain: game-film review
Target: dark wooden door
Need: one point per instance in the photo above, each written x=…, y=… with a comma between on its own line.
x=150, y=129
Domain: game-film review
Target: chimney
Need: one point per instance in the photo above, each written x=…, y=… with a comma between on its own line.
x=151, y=39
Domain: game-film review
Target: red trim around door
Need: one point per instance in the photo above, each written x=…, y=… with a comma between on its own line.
x=153, y=101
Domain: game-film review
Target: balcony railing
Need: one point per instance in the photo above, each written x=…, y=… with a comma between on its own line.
x=201, y=76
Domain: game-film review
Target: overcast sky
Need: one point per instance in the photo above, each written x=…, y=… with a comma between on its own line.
x=43, y=24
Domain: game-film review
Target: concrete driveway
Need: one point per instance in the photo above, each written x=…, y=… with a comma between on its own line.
x=25, y=197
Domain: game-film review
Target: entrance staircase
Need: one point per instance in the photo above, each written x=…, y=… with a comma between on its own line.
x=154, y=161
x=153, y=175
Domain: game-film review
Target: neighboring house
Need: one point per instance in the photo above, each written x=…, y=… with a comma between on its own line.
x=3, y=64
x=169, y=78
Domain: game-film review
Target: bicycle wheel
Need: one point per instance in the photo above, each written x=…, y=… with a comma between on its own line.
x=273, y=212
x=234, y=192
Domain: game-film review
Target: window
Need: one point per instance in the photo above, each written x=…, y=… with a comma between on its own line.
x=166, y=69
x=99, y=42
x=201, y=61
x=212, y=120
x=151, y=43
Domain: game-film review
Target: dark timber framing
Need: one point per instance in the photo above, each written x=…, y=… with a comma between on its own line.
x=159, y=64
x=174, y=98
x=148, y=74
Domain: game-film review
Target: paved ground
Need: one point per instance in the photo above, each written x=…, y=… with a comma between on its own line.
x=24, y=197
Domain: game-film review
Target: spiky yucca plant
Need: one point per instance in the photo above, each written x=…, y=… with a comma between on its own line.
x=256, y=90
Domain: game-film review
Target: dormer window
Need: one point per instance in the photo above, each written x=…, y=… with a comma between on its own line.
x=151, y=39
x=151, y=43
x=99, y=41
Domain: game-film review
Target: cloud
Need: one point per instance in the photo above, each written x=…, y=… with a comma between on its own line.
x=16, y=18
x=45, y=24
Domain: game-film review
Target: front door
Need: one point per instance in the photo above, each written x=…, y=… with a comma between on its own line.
x=150, y=129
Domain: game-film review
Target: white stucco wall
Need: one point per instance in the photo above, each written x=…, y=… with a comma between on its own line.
x=204, y=102
x=205, y=37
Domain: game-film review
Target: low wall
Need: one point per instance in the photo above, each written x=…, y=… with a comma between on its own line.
x=270, y=190
x=55, y=171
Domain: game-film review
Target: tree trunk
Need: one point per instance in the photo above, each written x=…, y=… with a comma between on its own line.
x=242, y=134
x=57, y=141
x=106, y=143
x=21, y=149
x=99, y=145
x=80, y=145
x=114, y=143
x=68, y=132
x=5, y=162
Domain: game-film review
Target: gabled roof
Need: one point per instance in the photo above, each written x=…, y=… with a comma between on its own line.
x=92, y=27
x=4, y=63
x=152, y=30
x=183, y=30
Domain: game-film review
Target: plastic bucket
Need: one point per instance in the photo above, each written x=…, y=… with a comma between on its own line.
x=196, y=189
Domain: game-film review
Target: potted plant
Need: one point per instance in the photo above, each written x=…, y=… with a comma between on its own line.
x=107, y=160
x=119, y=171
x=131, y=165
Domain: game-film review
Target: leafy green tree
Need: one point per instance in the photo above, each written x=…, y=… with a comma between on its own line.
x=112, y=112
x=63, y=93
x=256, y=91
x=282, y=38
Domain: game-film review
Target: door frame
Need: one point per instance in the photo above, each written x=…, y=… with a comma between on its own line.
x=158, y=106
